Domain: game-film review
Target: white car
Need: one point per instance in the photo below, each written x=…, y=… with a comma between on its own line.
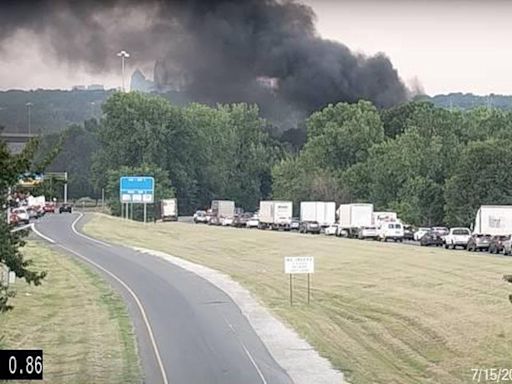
x=226, y=221
x=368, y=233
x=331, y=230
x=22, y=214
x=420, y=233
x=253, y=222
x=391, y=230
x=200, y=217
x=458, y=237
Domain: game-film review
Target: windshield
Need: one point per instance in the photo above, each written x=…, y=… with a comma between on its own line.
x=461, y=232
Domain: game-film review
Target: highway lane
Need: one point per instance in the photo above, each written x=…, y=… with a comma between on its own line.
x=200, y=335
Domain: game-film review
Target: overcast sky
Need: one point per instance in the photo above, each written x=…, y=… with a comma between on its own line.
x=448, y=46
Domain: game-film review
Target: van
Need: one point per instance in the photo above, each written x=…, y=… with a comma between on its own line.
x=391, y=230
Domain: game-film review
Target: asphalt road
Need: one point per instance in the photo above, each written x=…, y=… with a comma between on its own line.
x=200, y=335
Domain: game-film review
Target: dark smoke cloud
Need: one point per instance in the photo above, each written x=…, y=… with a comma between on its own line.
x=213, y=51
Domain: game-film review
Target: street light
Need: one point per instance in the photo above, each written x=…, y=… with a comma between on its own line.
x=123, y=55
x=29, y=104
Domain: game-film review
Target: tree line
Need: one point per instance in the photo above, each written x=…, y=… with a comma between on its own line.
x=431, y=165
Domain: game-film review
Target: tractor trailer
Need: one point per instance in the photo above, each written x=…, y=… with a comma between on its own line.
x=493, y=220
x=169, y=209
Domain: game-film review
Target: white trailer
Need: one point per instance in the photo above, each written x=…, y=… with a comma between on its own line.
x=493, y=220
x=352, y=217
x=223, y=208
x=323, y=212
x=275, y=214
x=169, y=209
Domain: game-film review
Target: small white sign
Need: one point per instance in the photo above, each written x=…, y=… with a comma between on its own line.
x=147, y=198
x=125, y=198
x=302, y=264
x=136, y=198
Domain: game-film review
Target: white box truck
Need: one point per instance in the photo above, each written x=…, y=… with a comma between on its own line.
x=352, y=217
x=223, y=208
x=275, y=214
x=323, y=212
x=493, y=220
x=169, y=209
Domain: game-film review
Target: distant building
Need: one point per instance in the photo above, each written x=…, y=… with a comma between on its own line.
x=140, y=83
x=78, y=88
x=96, y=87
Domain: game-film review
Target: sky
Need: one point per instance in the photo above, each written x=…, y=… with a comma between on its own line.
x=446, y=46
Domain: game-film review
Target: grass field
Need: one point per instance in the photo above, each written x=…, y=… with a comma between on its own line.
x=79, y=322
x=382, y=313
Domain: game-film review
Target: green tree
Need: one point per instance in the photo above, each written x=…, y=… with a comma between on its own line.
x=10, y=243
x=482, y=176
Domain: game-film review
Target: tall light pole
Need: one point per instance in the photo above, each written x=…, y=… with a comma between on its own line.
x=123, y=55
x=29, y=104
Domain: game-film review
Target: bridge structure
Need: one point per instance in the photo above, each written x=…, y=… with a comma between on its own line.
x=16, y=141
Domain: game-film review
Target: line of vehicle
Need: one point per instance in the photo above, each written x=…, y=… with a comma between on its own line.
x=125, y=286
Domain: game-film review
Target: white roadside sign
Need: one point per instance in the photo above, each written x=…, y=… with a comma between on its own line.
x=302, y=264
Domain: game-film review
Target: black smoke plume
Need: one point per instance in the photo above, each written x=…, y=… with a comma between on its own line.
x=262, y=51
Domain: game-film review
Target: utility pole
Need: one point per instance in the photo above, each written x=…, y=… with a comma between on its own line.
x=29, y=104
x=65, y=187
x=123, y=55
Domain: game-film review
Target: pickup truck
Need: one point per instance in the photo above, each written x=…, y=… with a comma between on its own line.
x=457, y=237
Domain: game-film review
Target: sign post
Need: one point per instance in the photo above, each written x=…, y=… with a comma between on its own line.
x=293, y=265
x=136, y=190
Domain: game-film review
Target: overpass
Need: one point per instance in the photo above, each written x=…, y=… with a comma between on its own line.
x=16, y=141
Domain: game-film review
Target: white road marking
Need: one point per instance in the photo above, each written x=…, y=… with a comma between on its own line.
x=251, y=359
x=85, y=236
x=41, y=235
x=125, y=286
x=26, y=226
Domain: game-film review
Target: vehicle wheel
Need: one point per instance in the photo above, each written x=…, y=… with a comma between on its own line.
x=446, y=246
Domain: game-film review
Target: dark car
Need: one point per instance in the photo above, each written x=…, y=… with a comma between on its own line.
x=309, y=227
x=65, y=208
x=432, y=238
x=496, y=244
x=408, y=233
x=240, y=221
x=479, y=242
x=295, y=224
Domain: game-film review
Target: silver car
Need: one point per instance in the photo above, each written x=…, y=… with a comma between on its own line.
x=507, y=246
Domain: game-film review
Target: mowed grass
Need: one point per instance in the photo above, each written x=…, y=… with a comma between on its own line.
x=75, y=317
x=382, y=313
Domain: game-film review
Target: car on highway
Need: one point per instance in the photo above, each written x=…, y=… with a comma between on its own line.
x=408, y=232
x=200, y=217
x=49, y=207
x=497, y=243
x=309, y=227
x=295, y=224
x=240, y=221
x=457, y=237
x=253, y=222
x=441, y=231
x=368, y=233
x=22, y=214
x=432, y=238
x=331, y=230
x=66, y=208
x=391, y=231
x=420, y=232
x=479, y=242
